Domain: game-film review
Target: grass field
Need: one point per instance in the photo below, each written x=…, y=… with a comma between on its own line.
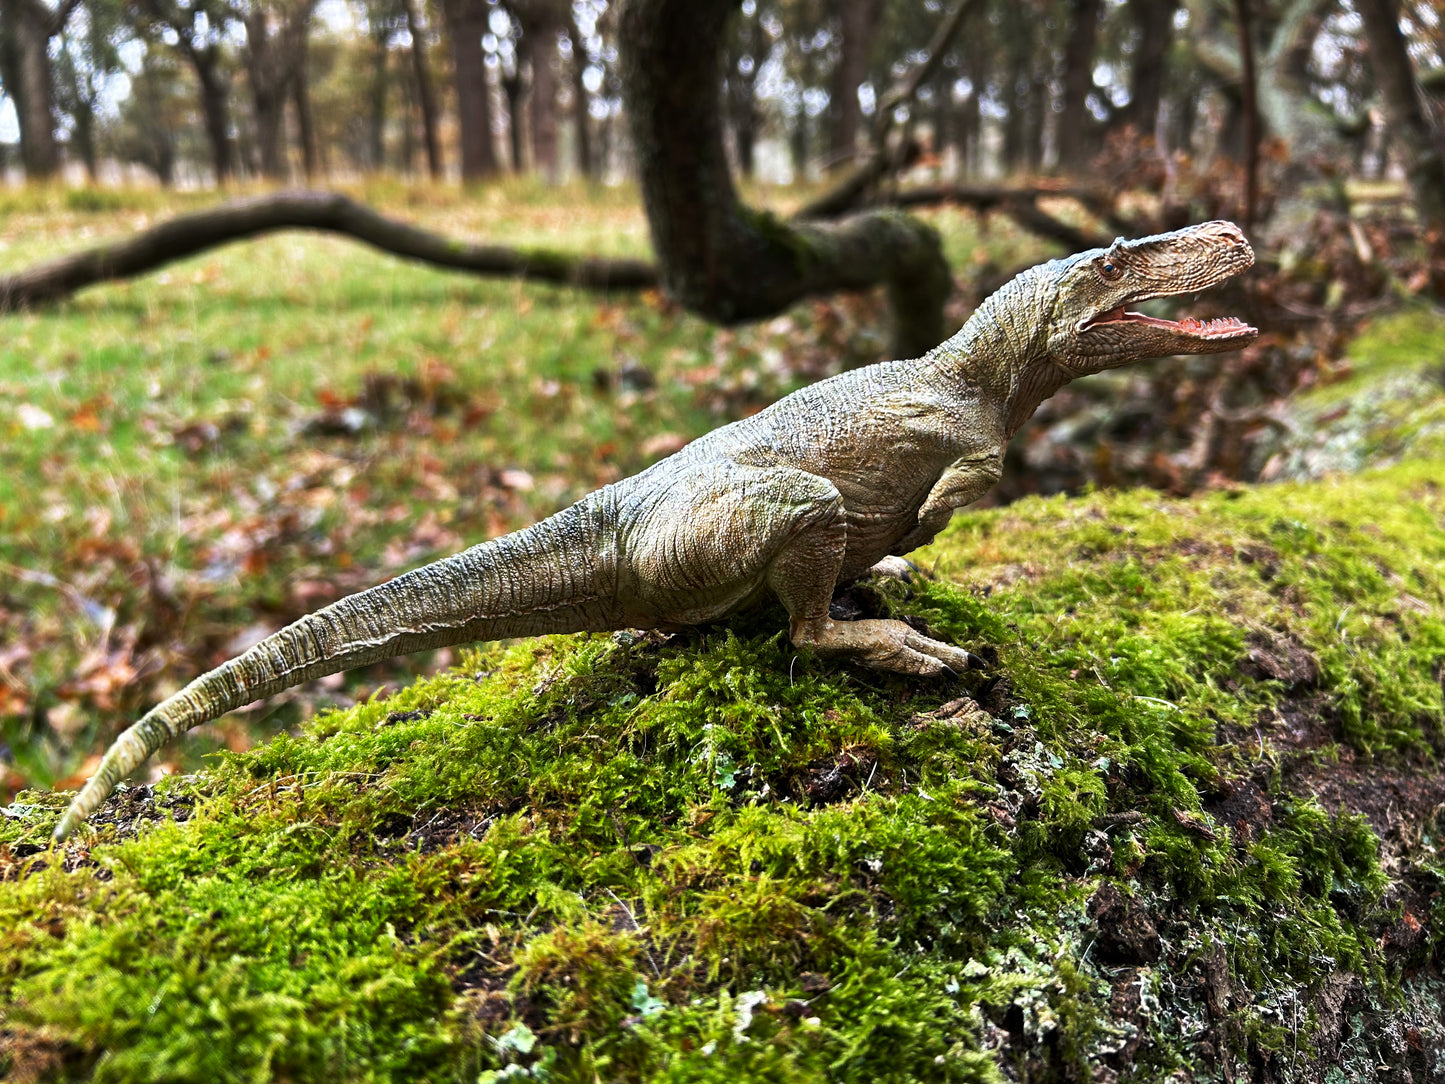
x=192, y=459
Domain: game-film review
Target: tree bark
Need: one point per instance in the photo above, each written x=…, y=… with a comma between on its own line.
x=1075, y=119
x=466, y=23
x=1154, y=25
x=301, y=95
x=719, y=258
x=275, y=57
x=1410, y=125
x=425, y=92
x=29, y=27
x=376, y=126
x=513, y=88
x=581, y=105
x=1249, y=104
x=197, y=39
x=540, y=26
x=216, y=111
x=189, y=234
x=858, y=23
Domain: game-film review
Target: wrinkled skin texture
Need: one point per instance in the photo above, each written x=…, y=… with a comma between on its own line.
x=833, y=481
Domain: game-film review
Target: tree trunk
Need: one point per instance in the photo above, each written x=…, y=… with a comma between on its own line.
x=84, y=139
x=215, y=110
x=305, y=129
x=425, y=92
x=30, y=26
x=1016, y=94
x=512, y=88
x=858, y=23
x=581, y=107
x=1075, y=119
x=406, y=156
x=1410, y=125
x=719, y=258
x=541, y=40
x=466, y=23
x=1250, y=108
x=376, y=123
x=1036, y=115
x=798, y=146
x=269, y=107
x=266, y=71
x=1154, y=24
x=742, y=80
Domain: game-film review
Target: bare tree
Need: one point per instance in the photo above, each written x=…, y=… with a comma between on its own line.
x=1078, y=82
x=466, y=23
x=857, y=23
x=26, y=30
x=200, y=28
x=425, y=91
x=1415, y=134
x=745, y=52
x=276, y=44
x=384, y=20
x=88, y=56
x=542, y=21
x=581, y=100
x=1154, y=29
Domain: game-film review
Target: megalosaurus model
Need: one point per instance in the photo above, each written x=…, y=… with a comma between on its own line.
x=825, y=485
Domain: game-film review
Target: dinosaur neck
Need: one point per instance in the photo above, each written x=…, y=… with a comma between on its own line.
x=1002, y=348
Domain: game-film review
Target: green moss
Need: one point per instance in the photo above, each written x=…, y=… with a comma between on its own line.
x=1387, y=408
x=708, y=857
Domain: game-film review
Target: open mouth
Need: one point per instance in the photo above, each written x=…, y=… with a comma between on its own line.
x=1223, y=328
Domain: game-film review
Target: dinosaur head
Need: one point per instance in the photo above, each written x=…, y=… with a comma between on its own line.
x=1090, y=325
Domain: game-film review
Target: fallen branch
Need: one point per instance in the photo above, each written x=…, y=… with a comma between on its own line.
x=1020, y=204
x=186, y=235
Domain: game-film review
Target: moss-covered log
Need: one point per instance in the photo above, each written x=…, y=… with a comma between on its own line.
x=185, y=235
x=1185, y=829
x=718, y=257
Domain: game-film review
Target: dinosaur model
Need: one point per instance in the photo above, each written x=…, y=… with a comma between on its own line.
x=833, y=481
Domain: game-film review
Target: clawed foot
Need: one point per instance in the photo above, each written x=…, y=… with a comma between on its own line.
x=888, y=645
x=896, y=568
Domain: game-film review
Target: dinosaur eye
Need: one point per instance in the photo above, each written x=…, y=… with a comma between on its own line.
x=1110, y=270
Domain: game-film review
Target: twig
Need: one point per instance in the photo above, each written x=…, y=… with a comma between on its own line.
x=636, y=928
x=186, y=235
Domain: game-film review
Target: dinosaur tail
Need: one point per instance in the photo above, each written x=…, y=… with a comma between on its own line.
x=556, y=576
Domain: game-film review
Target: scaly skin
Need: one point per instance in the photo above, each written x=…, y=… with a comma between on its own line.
x=829, y=483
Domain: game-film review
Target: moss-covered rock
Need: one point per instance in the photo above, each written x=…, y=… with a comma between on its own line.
x=1185, y=826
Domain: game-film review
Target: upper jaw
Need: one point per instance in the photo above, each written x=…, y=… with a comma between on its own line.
x=1166, y=265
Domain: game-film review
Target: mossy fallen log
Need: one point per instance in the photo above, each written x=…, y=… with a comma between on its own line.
x=1184, y=824
x=1185, y=828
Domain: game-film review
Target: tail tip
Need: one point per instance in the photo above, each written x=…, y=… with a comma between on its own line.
x=68, y=823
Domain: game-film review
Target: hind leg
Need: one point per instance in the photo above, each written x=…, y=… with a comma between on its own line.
x=715, y=539
x=803, y=575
